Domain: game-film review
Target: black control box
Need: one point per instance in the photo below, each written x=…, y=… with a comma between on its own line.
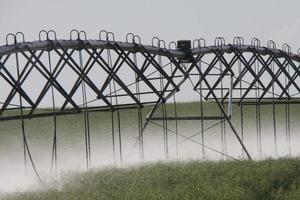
x=184, y=45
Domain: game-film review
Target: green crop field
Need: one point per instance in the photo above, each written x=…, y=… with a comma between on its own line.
x=269, y=179
x=181, y=177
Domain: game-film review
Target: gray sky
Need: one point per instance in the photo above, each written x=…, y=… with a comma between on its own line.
x=169, y=19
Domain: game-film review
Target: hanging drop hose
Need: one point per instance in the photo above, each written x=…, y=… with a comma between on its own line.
x=241, y=104
x=223, y=131
x=112, y=115
x=25, y=144
x=287, y=49
x=257, y=112
x=86, y=117
x=54, y=145
x=175, y=114
x=164, y=111
x=109, y=59
x=112, y=123
x=271, y=44
x=201, y=113
x=139, y=112
x=274, y=113
x=287, y=117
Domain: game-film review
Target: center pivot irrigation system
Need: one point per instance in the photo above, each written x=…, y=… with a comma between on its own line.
x=110, y=76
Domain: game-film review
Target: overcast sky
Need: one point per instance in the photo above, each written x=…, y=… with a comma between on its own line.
x=169, y=19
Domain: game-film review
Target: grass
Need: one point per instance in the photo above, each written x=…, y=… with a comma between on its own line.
x=269, y=179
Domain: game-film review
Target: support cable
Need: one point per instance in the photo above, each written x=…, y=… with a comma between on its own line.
x=26, y=149
x=202, y=132
x=244, y=81
x=128, y=85
x=205, y=146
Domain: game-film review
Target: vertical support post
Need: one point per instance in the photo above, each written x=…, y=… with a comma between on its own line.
x=202, y=114
x=112, y=114
x=120, y=136
x=109, y=61
x=22, y=113
x=223, y=127
x=241, y=103
x=112, y=128
x=139, y=112
x=54, y=145
x=164, y=113
x=257, y=112
x=287, y=117
x=274, y=113
x=175, y=115
x=227, y=118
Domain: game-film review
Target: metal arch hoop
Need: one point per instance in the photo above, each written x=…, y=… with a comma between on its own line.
x=84, y=34
x=47, y=33
x=74, y=31
x=8, y=36
x=239, y=41
x=220, y=41
x=153, y=39
x=204, y=42
x=199, y=43
x=255, y=42
x=132, y=38
x=159, y=42
x=40, y=34
x=54, y=34
x=15, y=37
x=101, y=33
x=287, y=48
x=106, y=34
x=195, y=40
x=172, y=44
x=162, y=42
x=271, y=45
x=22, y=34
x=138, y=37
x=112, y=34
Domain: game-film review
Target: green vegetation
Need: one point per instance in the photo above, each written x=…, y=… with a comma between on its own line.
x=269, y=179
